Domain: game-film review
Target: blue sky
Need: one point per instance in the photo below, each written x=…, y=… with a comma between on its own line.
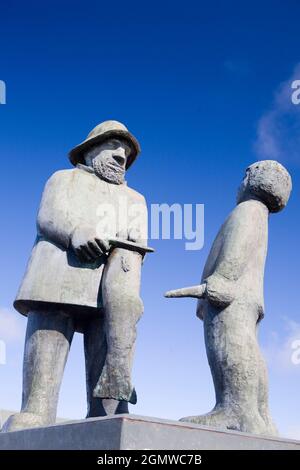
x=200, y=85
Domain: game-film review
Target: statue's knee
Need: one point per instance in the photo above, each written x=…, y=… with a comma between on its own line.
x=132, y=303
x=136, y=304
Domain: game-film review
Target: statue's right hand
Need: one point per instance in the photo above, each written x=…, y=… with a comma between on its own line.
x=87, y=245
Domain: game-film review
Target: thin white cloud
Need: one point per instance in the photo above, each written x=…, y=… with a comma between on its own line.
x=12, y=326
x=278, y=130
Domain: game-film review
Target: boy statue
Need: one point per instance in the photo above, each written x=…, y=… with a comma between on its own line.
x=231, y=303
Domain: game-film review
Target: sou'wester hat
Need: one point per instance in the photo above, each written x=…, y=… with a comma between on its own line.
x=104, y=131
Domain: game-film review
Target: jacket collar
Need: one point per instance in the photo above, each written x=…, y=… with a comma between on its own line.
x=89, y=169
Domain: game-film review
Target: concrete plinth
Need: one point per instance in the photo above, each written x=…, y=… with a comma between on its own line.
x=131, y=432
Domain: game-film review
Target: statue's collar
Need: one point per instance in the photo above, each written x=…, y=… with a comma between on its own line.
x=89, y=169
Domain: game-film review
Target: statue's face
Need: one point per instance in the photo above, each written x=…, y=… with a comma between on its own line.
x=108, y=160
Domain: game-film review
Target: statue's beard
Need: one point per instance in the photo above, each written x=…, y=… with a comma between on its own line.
x=109, y=172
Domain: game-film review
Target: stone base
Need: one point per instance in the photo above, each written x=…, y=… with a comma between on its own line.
x=130, y=432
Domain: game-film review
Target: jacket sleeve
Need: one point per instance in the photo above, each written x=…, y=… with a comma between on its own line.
x=55, y=220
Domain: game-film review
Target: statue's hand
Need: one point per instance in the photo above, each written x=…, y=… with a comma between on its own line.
x=219, y=291
x=87, y=245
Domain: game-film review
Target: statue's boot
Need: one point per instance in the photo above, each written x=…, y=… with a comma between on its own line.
x=236, y=365
x=48, y=338
x=122, y=310
x=24, y=420
x=227, y=418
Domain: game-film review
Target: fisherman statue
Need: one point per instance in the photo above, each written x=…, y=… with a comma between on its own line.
x=84, y=276
x=231, y=303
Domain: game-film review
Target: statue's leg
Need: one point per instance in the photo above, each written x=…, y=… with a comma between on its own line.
x=48, y=338
x=234, y=358
x=122, y=310
x=95, y=349
x=263, y=397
